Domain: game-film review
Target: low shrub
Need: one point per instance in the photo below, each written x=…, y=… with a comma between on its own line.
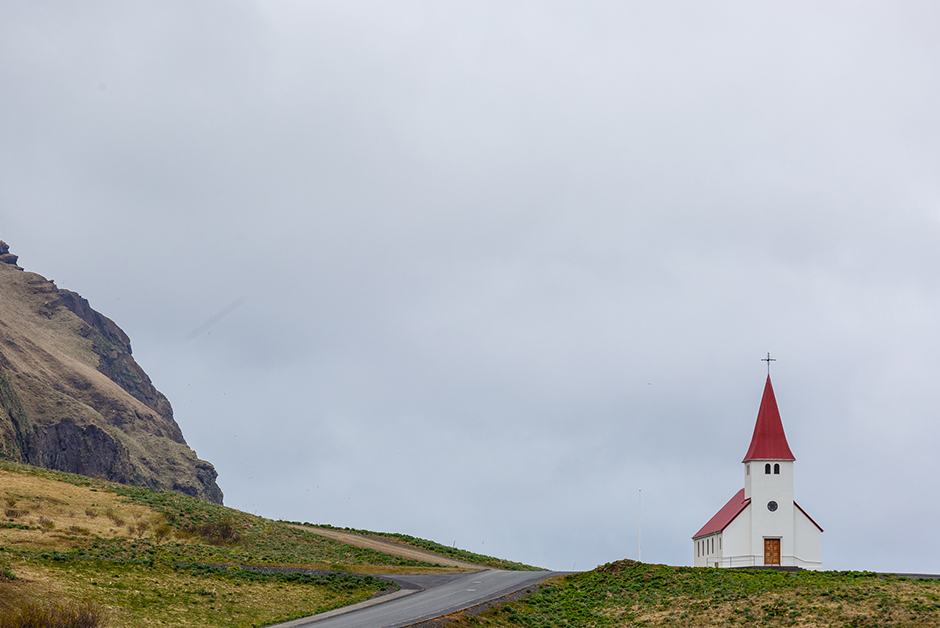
x=216, y=532
x=116, y=519
x=161, y=532
x=142, y=527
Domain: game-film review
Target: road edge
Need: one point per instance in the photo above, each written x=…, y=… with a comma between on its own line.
x=309, y=619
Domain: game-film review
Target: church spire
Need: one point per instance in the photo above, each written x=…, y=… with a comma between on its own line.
x=769, y=442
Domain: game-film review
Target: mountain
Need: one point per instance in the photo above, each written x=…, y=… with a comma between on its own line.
x=72, y=397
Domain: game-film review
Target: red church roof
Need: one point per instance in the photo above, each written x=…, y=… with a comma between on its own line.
x=769, y=442
x=726, y=515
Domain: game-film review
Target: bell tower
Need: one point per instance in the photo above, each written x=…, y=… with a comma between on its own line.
x=768, y=483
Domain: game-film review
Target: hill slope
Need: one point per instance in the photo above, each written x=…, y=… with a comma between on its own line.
x=627, y=593
x=143, y=558
x=139, y=557
x=72, y=397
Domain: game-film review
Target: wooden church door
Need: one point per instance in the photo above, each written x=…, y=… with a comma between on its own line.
x=771, y=551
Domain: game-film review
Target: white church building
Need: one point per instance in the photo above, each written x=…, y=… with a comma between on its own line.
x=761, y=524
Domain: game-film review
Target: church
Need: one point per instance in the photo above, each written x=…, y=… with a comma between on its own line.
x=762, y=525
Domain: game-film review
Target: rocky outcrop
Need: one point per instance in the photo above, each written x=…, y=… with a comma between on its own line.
x=113, y=348
x=72, y=397
x=5, y=256
x=86, y=450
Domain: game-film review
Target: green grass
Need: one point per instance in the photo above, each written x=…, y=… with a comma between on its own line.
x=437, y=548
x=259, y=541
x=137, y=594
x=636, y=594
x=5, y=572
x=200, y=531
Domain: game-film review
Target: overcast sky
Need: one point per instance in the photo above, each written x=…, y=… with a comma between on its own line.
x=478, y=272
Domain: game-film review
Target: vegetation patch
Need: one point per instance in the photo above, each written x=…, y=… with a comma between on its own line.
x=50, y=511
x=147, y=558
x=53, y=615
x=627, y=593
x=437, y=548
x=133, y=594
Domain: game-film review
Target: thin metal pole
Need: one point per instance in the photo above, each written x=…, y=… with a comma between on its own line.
x=640, y=529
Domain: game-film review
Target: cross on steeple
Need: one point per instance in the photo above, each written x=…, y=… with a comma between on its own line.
x=768, y=360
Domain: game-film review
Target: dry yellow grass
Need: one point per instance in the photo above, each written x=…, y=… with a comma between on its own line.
x=73, y=511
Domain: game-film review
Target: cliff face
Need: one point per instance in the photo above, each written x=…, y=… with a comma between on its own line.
x=72, y=397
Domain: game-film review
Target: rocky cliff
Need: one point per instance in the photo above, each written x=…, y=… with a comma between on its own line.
x=73, y=398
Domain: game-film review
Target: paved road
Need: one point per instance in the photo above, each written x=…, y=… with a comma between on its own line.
x=426, y=596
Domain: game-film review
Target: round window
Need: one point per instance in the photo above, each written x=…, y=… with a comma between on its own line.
x=771, y=506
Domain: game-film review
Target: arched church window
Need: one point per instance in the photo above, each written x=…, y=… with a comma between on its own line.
x=776, y=469
x=767, y=468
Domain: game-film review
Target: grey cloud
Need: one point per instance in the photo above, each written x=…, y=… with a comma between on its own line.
x=523, y=257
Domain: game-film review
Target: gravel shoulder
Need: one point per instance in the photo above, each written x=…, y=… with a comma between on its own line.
x=388, y=546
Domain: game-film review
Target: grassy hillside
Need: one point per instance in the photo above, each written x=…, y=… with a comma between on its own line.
x=635, y=594
x=444, y=550
x=141, y=557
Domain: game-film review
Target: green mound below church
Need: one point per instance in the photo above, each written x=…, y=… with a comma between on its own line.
x=627, y=593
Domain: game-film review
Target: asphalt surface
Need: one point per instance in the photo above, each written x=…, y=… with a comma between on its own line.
x=424, y=597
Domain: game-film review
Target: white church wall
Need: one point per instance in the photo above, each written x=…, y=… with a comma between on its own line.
x=736, y=550
x=698, y=547
x=808, y=538
x=707, y=550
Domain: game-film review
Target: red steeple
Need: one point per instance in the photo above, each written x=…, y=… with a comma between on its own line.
x=769, y=442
